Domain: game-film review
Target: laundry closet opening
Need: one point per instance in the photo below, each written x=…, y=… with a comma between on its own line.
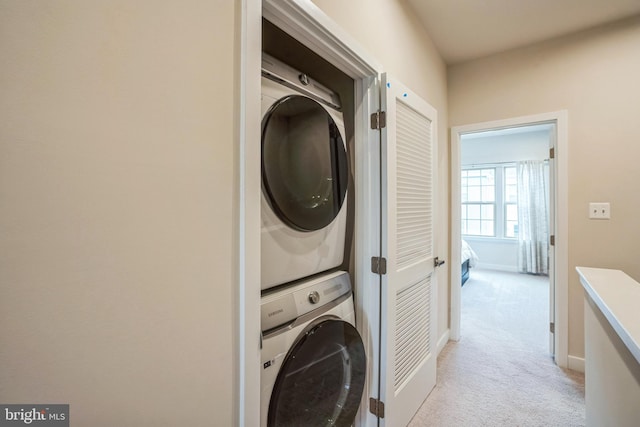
x=283, y=47
x=313, y=359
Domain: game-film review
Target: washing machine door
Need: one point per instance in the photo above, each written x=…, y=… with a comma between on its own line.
x=322, y=378
x=304, y=163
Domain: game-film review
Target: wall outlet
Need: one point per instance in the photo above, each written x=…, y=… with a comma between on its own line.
x=599, y=210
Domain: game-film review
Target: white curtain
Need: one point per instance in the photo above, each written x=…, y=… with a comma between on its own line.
x=533, y=217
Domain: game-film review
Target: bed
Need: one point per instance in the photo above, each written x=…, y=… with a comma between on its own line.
x=469, y=259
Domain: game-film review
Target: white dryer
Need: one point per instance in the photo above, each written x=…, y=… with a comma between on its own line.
x=313, y=358
x=305, y=175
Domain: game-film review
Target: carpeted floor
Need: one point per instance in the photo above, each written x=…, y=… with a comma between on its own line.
x=500, y=373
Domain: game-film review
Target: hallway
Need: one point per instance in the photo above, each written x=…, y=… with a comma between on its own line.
x=500, y=372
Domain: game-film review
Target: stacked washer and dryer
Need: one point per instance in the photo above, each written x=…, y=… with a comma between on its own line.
x=313, y=359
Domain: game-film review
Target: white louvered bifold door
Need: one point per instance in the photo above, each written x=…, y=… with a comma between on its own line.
x=408, y=350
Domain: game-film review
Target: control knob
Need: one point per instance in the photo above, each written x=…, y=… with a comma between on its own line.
x=314, y=297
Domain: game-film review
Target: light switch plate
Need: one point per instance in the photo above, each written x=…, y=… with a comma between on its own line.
x=599, y=210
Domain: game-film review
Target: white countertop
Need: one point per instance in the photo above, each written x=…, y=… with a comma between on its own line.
x=618, y=297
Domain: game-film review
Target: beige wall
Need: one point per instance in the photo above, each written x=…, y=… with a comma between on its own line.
x=117, y=173
x=116, y=191
x=594, y=76
x=391, y=33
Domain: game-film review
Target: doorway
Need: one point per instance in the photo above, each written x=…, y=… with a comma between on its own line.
x=557, y=256
x=505, y=212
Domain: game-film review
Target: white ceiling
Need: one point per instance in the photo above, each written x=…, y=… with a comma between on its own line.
x=467, y=29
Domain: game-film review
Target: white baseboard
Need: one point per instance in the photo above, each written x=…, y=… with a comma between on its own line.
x=444, y=339
x=575, y=363
x=499, y=267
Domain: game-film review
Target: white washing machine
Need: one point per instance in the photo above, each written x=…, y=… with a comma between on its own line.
x=313, y=358
x=305, y=175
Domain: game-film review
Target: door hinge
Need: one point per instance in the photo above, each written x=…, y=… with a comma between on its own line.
x=376, y=407
x=552, y=328
x=552, y=240
x=552, y=153
x=378, y=120
x=378, y=265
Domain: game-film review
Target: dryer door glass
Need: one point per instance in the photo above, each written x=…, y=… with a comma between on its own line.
x=304, y=163
x=322, y=378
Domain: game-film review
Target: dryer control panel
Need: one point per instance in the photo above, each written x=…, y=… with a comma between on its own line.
x=286, y=305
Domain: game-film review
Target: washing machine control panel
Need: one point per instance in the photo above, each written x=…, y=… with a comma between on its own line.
x=287, y=305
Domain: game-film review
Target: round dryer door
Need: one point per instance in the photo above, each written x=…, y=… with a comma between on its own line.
x=322, y=378
x=304, y=163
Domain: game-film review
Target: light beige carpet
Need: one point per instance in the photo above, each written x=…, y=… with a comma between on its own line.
x=500, y=373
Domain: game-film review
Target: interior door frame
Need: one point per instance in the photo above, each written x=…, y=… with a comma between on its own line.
x=560, y=189
x=309, y=25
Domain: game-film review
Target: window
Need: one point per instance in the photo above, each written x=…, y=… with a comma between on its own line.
x=490, y=201
x=478, y=202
